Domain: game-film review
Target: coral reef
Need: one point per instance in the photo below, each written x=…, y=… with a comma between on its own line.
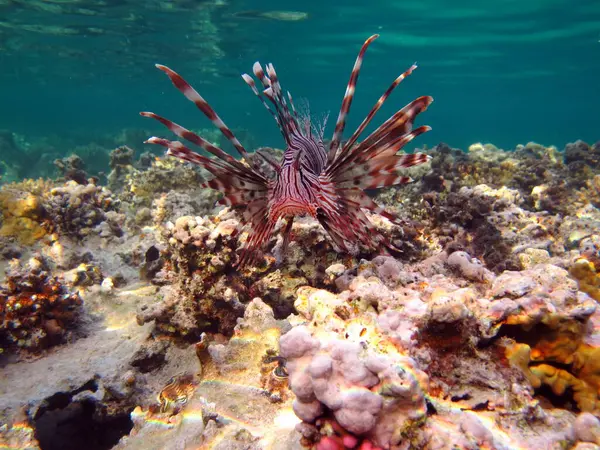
x=164, y=175
x=349, y=369
x=446, y=338
x=37, y=310
x=76, y=209
x=72, y=168
x=483, y=332
x=121, y=164
x=22, y=215
x=205, y=292
x=32, y=210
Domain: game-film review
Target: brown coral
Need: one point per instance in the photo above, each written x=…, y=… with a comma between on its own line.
x=36, y=309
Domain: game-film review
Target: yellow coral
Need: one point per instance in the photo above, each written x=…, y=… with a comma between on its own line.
x=585, y=272
x=586, y=363
x=519, y=356
x=38, y=187
x=584, y=375
x=22, y=216
x=559, y=380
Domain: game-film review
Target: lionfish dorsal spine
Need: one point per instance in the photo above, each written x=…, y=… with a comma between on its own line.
x=347, y=100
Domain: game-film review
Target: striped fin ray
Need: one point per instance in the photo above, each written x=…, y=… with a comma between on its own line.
x=192, y=137
x=381, y=180
x=294, y=112
x=393, y=133
x=260, y=74
x=347, y=101
x=275, y=94
x=376, y=108
x=380, y=162
x=394, y=146
x=378, y=172
x=191, y=94
x=400, y=123
x=214, y=166
x=179, y=150
x=353, y=225
x=287, y=233
x=286, y=120
x=250, y=82
x=238, y=190
x=366, y=202
x=261, y=231
x=265, y=156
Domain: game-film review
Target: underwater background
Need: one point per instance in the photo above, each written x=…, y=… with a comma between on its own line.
x=506, y=72
x=440, y=293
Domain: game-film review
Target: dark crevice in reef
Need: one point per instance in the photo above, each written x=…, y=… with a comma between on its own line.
x=483, y=406
x=556, y=364
x=531, y=337
x=61, y=400
x=431, y=409
x=63, y=424
x=564, y=401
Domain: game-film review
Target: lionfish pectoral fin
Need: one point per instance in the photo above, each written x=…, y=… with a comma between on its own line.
x=287, y=234
x=191, y=94
x=261, y=230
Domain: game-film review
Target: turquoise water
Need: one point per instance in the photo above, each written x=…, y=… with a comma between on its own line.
x=504, y=71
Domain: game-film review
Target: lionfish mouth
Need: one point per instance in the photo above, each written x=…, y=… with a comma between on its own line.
x=287, y=208
x=327, y=184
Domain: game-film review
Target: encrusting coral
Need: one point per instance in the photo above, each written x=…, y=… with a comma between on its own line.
x=438, y=347
x=584, y=271
x=72, y=168
x=351, y=370
x=22, y=214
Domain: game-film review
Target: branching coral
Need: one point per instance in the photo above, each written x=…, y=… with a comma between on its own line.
x=36, y=309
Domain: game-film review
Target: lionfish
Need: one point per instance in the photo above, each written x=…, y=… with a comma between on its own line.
x=326, y=182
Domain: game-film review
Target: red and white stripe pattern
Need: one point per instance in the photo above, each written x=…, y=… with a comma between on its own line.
x=326, y=184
